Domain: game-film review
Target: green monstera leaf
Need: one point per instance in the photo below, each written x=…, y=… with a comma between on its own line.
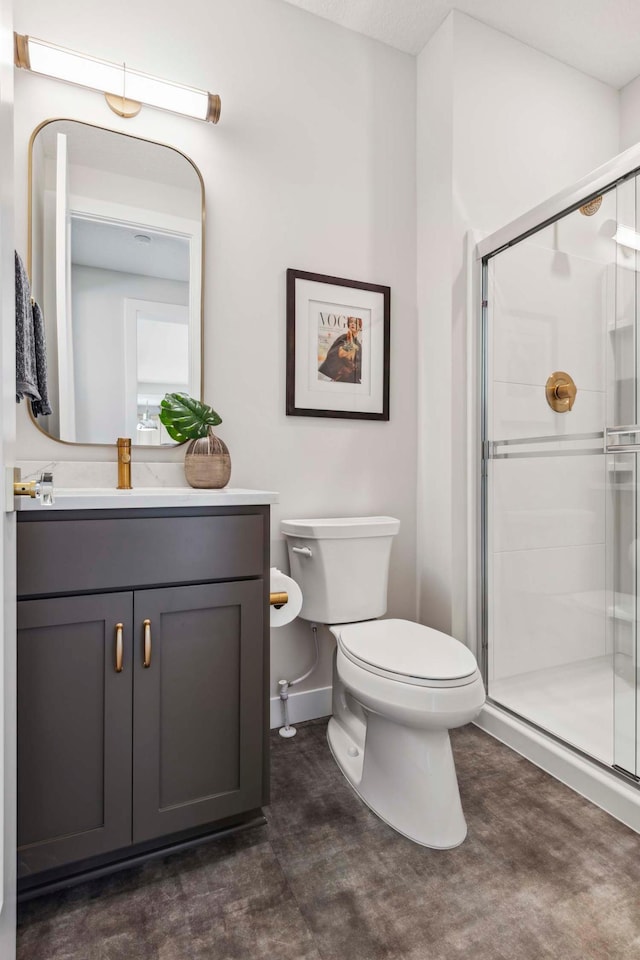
x=186, y=418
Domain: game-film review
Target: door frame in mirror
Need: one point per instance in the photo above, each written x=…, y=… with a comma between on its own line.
x=34, y=420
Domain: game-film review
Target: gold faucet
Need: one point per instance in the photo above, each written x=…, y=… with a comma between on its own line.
x=124, y=463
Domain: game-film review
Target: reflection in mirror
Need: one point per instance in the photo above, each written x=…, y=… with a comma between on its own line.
x=116, y=237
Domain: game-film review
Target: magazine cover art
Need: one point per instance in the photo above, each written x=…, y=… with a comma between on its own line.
x=339, y=348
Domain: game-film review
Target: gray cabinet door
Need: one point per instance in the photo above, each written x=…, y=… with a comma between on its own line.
x=197, y=705
x=74, y=729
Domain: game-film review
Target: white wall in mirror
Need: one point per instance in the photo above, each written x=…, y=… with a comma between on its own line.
x=161, y=365
x=114, y=220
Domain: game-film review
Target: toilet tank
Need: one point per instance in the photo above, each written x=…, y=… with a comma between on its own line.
x=341, y=565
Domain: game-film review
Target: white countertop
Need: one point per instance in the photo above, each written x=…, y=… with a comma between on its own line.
x=109, y=499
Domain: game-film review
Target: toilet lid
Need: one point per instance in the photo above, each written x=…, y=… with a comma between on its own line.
x=407, y=649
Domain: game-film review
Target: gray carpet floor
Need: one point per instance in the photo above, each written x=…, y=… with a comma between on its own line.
x=542, y=874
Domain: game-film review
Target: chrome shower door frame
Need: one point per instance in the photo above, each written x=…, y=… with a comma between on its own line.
x=601, y=181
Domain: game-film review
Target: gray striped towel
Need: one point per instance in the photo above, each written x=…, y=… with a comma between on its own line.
x=31, y=350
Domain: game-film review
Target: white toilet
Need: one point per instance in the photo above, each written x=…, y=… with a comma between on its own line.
x=398, y=686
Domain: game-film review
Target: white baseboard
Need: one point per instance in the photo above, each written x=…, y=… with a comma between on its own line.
x=303, y=705
x=606, y=790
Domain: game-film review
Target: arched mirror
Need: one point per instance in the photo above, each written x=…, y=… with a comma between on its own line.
x=116, y=238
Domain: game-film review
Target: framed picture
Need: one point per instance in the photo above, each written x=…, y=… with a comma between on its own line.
x=337, y=347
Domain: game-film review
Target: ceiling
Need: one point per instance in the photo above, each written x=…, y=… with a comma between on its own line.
x=599, y=37
x=110, y=245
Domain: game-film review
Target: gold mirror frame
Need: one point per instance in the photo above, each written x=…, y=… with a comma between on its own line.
x=97, y=126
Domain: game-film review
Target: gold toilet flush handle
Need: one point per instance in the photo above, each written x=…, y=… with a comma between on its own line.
x=560, y=391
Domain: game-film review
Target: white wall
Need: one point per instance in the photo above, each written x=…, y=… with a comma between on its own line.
x=313, y=167
x=7, y=520
x=523, y=127
x=434, y=240
x=630, y=114
x=109, y=187
x=98, y=311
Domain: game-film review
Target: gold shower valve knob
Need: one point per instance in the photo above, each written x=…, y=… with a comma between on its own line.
x=560, y=391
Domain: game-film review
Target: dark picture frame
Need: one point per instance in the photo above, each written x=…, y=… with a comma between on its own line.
x=338, y=341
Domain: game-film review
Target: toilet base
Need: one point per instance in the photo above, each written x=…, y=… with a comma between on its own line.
x=406, y=776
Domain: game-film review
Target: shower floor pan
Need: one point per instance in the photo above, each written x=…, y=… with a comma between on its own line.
x=575, y=704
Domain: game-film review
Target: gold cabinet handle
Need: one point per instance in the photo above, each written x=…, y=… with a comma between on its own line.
x=119, y=647
x=146, y=662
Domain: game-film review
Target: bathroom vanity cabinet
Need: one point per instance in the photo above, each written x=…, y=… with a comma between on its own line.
x=142, y=682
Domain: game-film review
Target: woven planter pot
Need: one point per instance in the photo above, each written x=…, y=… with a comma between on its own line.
x=207, y=463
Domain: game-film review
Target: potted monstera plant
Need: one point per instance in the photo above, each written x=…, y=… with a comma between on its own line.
x=207, y=463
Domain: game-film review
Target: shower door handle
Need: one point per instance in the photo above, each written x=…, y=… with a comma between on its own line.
x=629, y=446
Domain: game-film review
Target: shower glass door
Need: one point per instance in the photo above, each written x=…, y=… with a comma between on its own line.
x=560, y=478
x=622, y=444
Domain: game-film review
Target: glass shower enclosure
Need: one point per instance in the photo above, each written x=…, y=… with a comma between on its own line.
x=560, y=482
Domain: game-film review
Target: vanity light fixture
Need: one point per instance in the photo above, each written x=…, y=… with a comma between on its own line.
x=125, y=90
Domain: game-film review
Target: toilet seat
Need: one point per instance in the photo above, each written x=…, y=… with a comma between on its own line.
x=407, y=652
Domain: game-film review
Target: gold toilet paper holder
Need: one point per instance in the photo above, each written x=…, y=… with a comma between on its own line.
x=278, y=599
